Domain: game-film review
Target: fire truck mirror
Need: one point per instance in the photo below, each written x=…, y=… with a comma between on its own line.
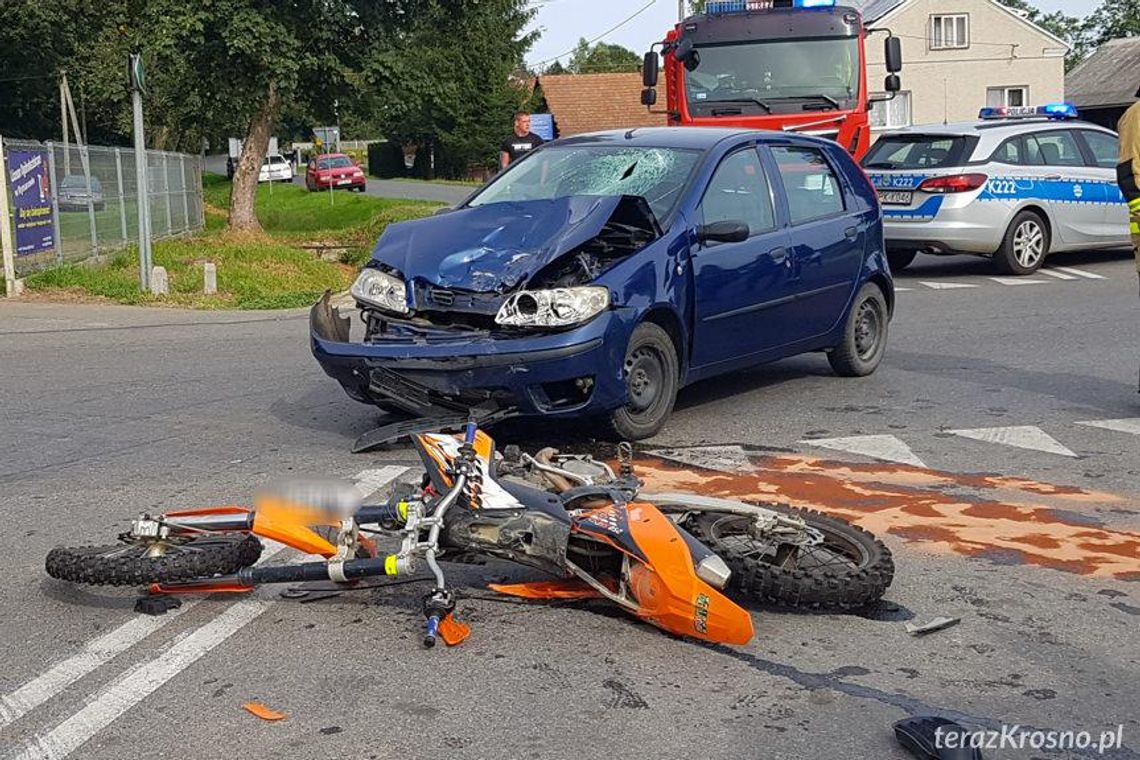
x=892, y=50
x=649, y=70
x=648, y=97
x=892, y=83
x=685, y=53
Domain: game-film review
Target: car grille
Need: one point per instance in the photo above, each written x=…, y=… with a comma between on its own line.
x=441, y=297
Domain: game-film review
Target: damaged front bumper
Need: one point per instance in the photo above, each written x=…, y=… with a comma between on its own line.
x=425, y=371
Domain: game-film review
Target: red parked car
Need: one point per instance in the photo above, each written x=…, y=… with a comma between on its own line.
x=333, y=171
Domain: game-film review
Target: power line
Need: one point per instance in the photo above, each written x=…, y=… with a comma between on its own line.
x=28, y=77
x=637, y=13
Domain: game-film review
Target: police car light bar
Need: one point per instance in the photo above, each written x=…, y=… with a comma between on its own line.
x=1052, y=111
x=718, y=7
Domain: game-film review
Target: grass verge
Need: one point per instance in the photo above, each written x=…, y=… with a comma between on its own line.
x=278, y=269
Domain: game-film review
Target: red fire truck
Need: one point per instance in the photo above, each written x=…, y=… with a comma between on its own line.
x=794, y=65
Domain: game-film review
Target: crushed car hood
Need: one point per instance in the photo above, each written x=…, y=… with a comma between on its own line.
x=494, y=248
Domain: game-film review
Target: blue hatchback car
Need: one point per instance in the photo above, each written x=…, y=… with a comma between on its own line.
x=603, y=272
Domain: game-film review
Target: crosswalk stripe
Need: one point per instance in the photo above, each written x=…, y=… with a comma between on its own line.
x=1020, y=436
x=885, y=447
x=1081, y=273
x=1127, y=425
x=1018, y=281
x=946, y=285
x=1058, y=275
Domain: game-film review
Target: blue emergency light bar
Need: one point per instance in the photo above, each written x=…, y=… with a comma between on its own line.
x=1051, y=111
x=718, y=7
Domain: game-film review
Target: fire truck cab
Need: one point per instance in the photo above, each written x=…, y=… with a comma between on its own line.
x=792, y=65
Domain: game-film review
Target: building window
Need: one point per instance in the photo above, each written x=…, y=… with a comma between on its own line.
x=948, y=32
x=889, y=114
x=1007, y=96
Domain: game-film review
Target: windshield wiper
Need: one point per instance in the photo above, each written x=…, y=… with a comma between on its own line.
x=827, y=98
x=738, y=101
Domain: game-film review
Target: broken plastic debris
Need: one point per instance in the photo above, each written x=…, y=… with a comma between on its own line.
x=452, y=631
x=937, y=624
x=263, y=712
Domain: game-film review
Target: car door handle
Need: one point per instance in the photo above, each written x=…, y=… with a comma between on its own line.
x=1053, y=176
x=851, y=233
x=779, y=255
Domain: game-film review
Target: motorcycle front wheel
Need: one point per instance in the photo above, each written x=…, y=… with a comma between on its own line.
x=142, y=562
x=842, y=567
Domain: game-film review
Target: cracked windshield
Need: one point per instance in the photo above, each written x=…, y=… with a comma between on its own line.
x=656, y=174
x=791, y=75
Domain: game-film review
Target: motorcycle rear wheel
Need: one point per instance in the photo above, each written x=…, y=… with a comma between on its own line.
x=140, y=563
x=848, y=570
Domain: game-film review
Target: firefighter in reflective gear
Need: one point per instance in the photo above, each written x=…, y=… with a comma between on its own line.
x=1128, y=171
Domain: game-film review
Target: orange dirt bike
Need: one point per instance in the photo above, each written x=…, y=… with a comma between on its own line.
x=668, y=562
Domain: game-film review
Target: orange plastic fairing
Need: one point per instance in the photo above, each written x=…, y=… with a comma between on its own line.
x=668, y=591
x=288, y=522
x=567, y=589
x=452, y=631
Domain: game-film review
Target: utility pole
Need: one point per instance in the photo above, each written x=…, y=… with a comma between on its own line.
x=138, y=87
x=680, y=10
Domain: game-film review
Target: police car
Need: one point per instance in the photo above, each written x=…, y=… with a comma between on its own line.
x=1016, y=185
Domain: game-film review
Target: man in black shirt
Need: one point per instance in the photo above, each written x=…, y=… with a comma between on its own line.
x=519, y=143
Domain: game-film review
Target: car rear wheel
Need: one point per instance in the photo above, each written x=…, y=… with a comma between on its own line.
x=1025, y=245
x=864, y=335
x=900, y=259
x=652, y=375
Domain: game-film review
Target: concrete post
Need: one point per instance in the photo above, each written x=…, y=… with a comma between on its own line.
x=210, y=279
x=6, y=242
x=159, y=284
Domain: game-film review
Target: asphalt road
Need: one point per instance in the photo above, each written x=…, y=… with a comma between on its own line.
x=108, y=411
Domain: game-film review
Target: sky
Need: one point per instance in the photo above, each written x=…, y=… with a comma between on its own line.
x=564, y=22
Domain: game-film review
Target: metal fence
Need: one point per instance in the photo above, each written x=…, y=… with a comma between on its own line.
x=94, y=198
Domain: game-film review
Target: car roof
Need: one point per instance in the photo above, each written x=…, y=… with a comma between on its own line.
x=699, y=138
x=331, y=155
x=996, y=127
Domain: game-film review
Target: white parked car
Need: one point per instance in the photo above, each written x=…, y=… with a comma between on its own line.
x=276, y=169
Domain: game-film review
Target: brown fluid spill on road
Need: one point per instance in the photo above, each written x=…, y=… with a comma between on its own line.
x=1006, y=519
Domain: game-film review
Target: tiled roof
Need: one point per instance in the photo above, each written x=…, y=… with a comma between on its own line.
x=1108, y=77
x=592, y=102
x=873, y=10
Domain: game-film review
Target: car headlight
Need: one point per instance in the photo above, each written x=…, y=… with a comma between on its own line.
x=559, y=307
x=381, y=290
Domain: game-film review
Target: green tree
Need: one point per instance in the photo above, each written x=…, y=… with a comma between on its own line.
x=602, y=58
x=1114, y=19
x=1071, y=29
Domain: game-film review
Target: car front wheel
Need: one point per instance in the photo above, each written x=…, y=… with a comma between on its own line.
x=1025, y=245
x=864, y=335
x=652, y=375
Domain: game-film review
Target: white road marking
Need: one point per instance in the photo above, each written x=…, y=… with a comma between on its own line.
x=1021, y=436
x=885, y=447
x=903, y=290
x=1127, y=425
x=369, y=482
x=1058, y=275
x=97, y=652
x=1081, y=273
x=727, y=458
x=136, y=685
x=133, y=687
x=946, y=285
x=1018, y=281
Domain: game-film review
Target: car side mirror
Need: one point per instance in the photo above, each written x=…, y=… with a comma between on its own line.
x=892, y=54
x=649, y=69
x=892, y=83
x=729, y=231
x=648, y=97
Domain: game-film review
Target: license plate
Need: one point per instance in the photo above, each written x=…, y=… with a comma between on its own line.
x=344, y=182
x=895, y=197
